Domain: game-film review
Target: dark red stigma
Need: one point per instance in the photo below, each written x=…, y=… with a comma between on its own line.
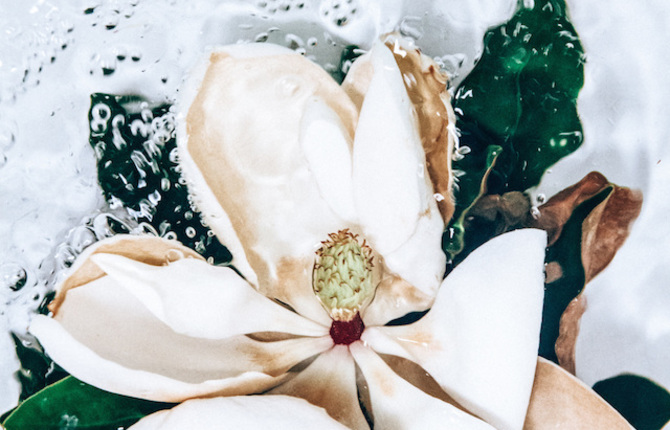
x=347, y=332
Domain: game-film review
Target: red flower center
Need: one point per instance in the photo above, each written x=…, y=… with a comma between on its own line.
x=347, y=332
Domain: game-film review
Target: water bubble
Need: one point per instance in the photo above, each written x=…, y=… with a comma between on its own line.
x=12, y=276
x=535, y=212
x=410, y=26
x=541, y=198
x=261, y=37
x=80, y=238
x=190, y=232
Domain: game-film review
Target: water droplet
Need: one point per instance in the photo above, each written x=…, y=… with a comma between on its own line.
x=12, y=276
x=190, y=232
x=535, y=212
x=541, y=198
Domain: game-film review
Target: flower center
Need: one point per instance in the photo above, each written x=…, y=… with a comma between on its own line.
x=342, y=276
x=347, y=332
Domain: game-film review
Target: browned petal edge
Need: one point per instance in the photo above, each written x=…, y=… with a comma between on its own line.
x=427, y=89
x=568, y=332
x=205, y=142
x=561, y=401
x=145, y=249
x=607, y=227
x=558, y=209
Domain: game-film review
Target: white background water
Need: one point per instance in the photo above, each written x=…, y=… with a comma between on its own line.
x=53, y=56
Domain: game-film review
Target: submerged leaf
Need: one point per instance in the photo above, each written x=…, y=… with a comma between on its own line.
x=470, y=187
x=643, y=403
x=72, y=404
x=522, y=95
x=136, y=154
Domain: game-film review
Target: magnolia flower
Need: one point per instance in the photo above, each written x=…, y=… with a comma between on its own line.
x=333, y=201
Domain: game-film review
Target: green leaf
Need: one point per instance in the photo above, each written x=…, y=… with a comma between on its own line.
x=522, y=96
x=72, y=404
x=136, y=154
x=470, y=187
x=643, y=403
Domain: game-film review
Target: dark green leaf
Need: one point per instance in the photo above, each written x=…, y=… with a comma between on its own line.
x=644, y=404
x=470, y=187
x=72, y=404
x=136, y=153
x=522, y=95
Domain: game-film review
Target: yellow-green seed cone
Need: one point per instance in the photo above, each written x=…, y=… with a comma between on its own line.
x=342, y=276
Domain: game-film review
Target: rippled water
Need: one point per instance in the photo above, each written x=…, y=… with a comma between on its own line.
x=55, y=54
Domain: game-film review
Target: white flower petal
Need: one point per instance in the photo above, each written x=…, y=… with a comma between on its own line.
x=330, y=382
x=397, y=404
x=240, y=150
x=420, y=264
x=95, y=337
x=197, y=299
x=391, y=188
x=327, y=147
x=240, y=413
x=479, y=341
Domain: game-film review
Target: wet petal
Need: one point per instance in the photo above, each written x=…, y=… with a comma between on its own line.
x=327, y=147
x=397, y=404
x=561, y=401
x=243, y=413
x=95, y=337
x=479, y=341
x=246, y=166
x=146, y=249
x=197, y=299
x=329, y=382
x=391, y=185
x=419, y=264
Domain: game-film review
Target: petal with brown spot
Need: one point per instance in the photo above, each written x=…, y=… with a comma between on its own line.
x=95, y=337
x=329, y=382
x=240, y=150
x=146, y=249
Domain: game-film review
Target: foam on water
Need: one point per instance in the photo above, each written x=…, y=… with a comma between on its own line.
x=55, y=54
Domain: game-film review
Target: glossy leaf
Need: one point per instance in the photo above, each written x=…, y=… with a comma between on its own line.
x=470, y=187
x=136, y=155
x=522, y=95
x=72, y=404
x=643, y=403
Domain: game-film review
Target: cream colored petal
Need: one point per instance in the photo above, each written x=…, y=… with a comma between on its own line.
x=397, y=404
x=329, y=382
x=104, y=336
x=391, y=188
x=327, y=147
x=240, y=413
x=146, y=249
x=197, y=299
x=240, y=150
x=419, y=268
x=561, y=401
x=479, y=341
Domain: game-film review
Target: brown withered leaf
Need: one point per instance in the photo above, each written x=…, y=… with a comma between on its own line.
x=607, y=227
x=604, y=228
x=568, y=331
x=557, y=211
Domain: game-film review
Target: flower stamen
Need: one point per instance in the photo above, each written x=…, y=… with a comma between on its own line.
x=342, y=276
